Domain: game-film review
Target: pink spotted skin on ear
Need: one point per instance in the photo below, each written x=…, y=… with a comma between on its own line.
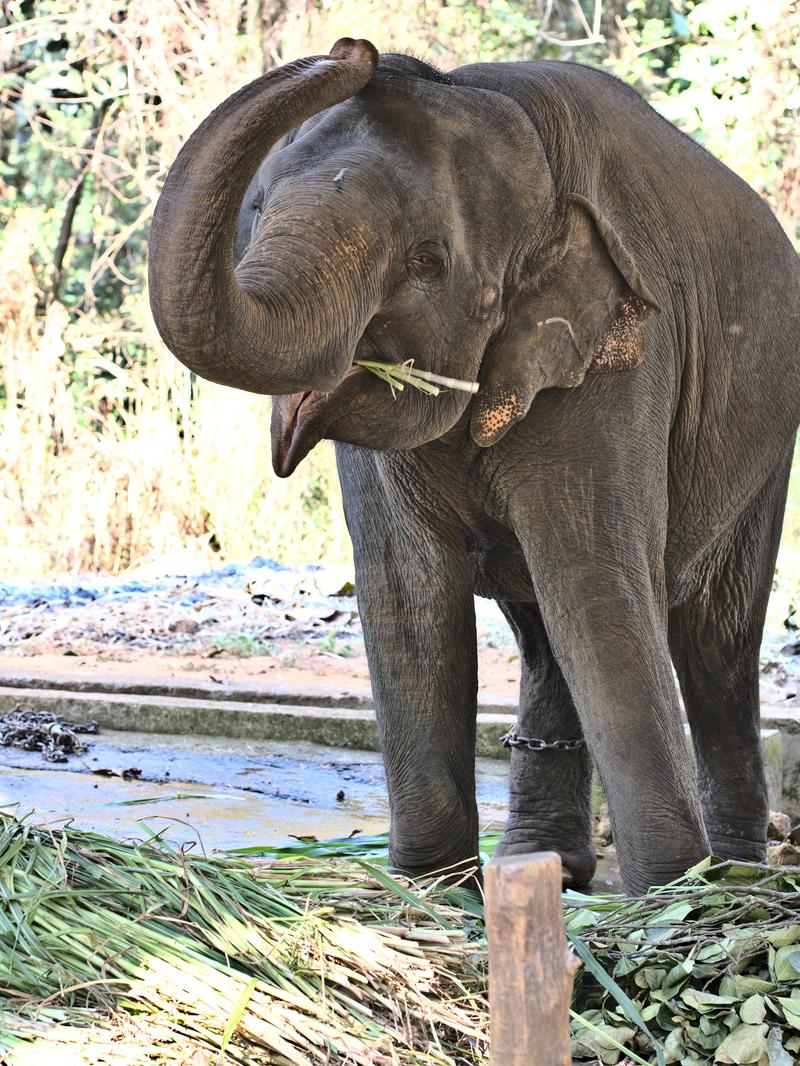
x=492, y=418
x=623, y=345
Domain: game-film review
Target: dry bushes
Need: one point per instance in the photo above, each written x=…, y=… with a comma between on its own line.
x=110, y=454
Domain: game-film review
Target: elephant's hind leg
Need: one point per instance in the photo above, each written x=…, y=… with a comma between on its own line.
x=715, y=640
x=549, y=806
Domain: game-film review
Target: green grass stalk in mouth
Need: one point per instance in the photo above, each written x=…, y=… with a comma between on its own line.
x=398, y=375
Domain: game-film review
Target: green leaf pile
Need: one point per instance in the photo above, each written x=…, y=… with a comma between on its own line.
x=706, y=970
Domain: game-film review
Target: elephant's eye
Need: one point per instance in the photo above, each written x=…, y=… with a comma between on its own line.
x=426, y=263
x=257, y=205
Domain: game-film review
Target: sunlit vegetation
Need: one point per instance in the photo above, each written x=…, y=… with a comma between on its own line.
x=110, y=452
x=314, y=953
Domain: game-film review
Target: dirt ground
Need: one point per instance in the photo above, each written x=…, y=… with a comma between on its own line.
x=239, y=624
x=497, y=675
x=261, y=623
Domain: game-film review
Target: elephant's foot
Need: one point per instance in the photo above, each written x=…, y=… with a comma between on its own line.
x=578, y=863
x=743, y=840
x=452, y=859
x=653, y=857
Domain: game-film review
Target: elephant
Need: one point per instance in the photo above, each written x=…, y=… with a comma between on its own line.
x=629, y=309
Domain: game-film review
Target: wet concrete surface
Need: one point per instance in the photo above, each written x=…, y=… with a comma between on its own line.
x=229, y=793
x=217, y=794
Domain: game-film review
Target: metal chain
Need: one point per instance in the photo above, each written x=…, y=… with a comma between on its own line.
x=512, y=739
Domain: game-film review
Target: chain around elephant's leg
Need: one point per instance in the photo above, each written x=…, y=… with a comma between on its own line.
x=549, y=806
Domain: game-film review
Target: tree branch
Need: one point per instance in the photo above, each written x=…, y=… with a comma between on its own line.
x=74, y=199
x=593, y=34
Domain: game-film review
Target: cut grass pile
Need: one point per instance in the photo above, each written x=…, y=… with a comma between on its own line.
x=131, y=952
x=297, y=960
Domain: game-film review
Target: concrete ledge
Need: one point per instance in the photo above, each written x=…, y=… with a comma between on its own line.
x=188, y=688
x=773, y=750
x=224, y=692
x=338, y=727
x=787, y=724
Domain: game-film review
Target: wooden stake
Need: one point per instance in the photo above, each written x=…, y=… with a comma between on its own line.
x=531, y=969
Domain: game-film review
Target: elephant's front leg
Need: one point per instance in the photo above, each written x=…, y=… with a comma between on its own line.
x=594, y=547
x=419, y=631
x=417, y=610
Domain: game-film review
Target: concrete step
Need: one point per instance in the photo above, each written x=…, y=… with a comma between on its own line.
x=189, y=688
x=787, y=724
x=339, y=727
x=222, y=691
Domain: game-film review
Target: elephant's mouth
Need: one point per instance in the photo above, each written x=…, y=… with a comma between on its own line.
x=362, y=408
x=301, y=420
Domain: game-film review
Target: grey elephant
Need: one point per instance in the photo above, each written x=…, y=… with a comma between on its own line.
x=630, y=309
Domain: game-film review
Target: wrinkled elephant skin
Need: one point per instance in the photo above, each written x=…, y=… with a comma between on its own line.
x=630, y=309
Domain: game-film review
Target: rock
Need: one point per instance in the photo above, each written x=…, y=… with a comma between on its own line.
x=784, y=854
x=602, y=827
x=779, y=826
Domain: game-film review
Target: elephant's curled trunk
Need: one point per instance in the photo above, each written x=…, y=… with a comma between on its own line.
x=254, y=330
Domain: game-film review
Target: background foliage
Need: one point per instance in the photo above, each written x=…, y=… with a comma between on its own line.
x=111, y=454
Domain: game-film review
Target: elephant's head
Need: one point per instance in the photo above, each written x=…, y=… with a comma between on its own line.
x=395, y=216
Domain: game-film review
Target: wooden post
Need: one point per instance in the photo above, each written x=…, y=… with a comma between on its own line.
x=531, y=969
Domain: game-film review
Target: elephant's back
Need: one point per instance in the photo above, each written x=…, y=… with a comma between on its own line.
x=676, y=207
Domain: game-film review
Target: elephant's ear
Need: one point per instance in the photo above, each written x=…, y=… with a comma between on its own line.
x=581, y=313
